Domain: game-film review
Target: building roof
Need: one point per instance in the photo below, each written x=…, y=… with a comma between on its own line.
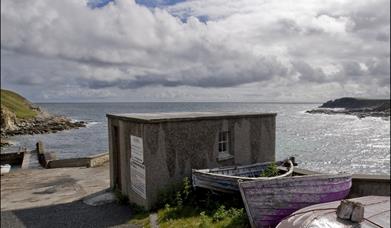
x=184, y=116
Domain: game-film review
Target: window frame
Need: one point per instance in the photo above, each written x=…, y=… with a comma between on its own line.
x=223, y=146
x=223, y=142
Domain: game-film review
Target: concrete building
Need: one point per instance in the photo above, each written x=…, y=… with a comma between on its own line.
x=150, y=152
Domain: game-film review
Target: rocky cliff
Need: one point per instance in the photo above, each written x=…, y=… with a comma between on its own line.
x=8, y=119
x=355, y=106
x=19, y=116
x=354, y=103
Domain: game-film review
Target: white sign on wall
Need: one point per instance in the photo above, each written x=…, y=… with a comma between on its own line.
x=136, y=149
x=137, y=178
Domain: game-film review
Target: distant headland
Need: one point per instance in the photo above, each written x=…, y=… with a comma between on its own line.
x=359, y=107
x=20, y=117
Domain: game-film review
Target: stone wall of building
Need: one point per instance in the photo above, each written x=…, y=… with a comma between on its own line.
x=173, y=148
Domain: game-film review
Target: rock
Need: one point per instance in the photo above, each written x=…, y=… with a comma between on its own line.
x=356, y=103
x=345, y=209
x=8, y=119
x=350, y=210
x=4, y=142
x=39, y=123
x=42, y=126
x=353, y=106
x=358, y=213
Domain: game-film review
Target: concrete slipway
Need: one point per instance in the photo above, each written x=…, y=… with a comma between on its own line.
x=53, y=198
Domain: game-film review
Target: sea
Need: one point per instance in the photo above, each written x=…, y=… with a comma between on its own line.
x=319, y=142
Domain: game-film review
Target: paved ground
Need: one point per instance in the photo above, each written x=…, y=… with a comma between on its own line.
x=43, y=187
x=52, y=198
x=75, y=214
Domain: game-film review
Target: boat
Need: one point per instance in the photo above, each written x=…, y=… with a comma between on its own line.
x=376, y=214
x=5, y=168
x=267, y=202
x=225, y=179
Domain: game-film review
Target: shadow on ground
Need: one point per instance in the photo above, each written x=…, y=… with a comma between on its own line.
x=75, y=214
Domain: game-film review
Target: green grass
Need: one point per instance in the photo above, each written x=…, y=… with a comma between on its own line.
x=140, y=219
x=188, y=216
x=17, y=104
x=181, y=206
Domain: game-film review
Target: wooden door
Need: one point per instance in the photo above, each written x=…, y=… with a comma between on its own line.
x=116, y=159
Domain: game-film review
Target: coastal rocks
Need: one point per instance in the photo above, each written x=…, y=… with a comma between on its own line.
x=21, y=117
x=41, y=125
x=4, y=143
x=356, y=103
x=8, y=119
x=354, y=106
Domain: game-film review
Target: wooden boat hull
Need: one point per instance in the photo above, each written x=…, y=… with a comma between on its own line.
x=226, y=179
x=267, y=202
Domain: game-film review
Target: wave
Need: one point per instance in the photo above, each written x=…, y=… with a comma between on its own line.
x=92, y=123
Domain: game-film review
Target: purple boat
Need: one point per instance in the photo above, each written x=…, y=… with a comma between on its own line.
x=267, y=202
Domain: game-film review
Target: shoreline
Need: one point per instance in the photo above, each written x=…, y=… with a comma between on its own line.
x=355, y=106
x=359, y=113
x=46, y=125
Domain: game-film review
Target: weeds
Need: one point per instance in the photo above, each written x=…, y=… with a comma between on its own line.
x=182, y=206
x=270, y=171
x=201, y=208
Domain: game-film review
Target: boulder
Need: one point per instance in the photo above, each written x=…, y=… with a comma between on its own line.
x=8, y=120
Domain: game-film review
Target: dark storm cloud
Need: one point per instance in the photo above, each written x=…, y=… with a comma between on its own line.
x=308, y=73
x=351, y=68
x=220, y=76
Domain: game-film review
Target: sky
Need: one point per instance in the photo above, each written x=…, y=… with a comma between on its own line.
x=198, y=50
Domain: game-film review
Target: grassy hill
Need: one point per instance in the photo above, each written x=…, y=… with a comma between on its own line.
x=17, y=104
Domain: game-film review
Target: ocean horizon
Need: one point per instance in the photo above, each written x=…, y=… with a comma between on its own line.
x=325, y=143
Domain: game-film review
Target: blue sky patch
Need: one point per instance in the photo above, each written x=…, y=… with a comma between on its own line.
x=98, y=3
x=148, y=3
x=158, y=3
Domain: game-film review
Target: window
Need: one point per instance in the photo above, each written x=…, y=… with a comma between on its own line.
x=224, y=142
x=223, y=146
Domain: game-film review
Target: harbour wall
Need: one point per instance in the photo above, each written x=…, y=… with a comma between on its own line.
x=49, y=159
x=90, y=161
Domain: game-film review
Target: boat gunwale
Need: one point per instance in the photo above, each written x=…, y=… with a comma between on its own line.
x=244, y=184
x=237, y=167
x=204, y=172
x=309, y=177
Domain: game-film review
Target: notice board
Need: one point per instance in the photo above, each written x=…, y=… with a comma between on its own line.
x=137, y=178
x=136, y=149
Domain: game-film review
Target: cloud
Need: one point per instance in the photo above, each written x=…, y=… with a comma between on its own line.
x=108, y=45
